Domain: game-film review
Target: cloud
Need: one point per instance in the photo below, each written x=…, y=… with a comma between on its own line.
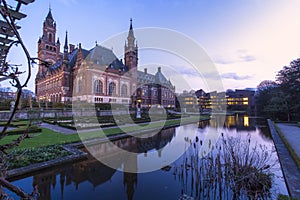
x=235, y=76
x=244, y=56
x=182, y=69
x=223, y=61
x=239, y=56
x=247, y=58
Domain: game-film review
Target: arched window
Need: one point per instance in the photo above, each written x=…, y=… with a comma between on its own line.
x=112, y=89
x=98, y=86
x=50, y=37
x=79, y=85
x=124, y=90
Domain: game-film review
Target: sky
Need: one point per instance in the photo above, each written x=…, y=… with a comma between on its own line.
x=248, y=41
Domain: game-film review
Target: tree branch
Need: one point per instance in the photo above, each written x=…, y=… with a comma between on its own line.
x=14, y=189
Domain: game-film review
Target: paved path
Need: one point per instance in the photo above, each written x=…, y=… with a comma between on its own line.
x=289, y=167
x=8, y=129
x=58, y=129
x=291, y=133
x=67, y=131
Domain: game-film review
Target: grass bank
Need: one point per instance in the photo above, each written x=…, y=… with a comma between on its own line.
x=48, y=137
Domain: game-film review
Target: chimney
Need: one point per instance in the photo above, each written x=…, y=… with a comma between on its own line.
x=145, y=70
x=71, y=47
x=159, y=69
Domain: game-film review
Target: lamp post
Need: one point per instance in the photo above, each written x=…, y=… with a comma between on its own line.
x=138, y=109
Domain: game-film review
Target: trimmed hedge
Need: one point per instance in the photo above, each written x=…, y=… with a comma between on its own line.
x=21, y=130
x=285, y=197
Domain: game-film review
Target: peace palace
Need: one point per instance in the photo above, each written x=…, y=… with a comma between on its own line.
x=96, y=75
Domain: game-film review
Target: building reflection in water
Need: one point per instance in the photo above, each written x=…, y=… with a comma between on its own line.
x=90, y=179
x=95, y=172
x=238, y=122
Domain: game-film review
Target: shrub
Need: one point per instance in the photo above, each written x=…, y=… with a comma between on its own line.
x=23, y=157
x=21, y=130
x=285, y=197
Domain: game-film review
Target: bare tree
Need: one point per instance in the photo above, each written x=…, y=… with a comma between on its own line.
x=9, y=36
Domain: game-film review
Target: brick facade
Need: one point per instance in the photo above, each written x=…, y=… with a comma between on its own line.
x=96, y=75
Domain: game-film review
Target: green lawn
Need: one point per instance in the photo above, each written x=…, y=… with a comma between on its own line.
x=45, y=138
x=15, y=123
x=49, y=137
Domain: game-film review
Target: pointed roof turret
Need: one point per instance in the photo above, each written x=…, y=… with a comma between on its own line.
x=130, y=23
x=66, y=48
x=130, y=34
x=49, y=16
x=49, y=19
x=66, y=41
x=130, y=37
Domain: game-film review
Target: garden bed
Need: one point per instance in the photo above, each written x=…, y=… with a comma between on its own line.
x=23, y=157
x=45, y=157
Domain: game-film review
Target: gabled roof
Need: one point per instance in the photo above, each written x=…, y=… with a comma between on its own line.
x=161, y=79
x=118, y=65
x=101, y=56
x=98, y=55
x=158, y=78
x=145, y=78
x=71, y=57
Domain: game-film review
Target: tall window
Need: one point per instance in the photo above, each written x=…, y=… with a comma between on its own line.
x=98, y=86
x=112, y=89
x=124, y=90
x=50, y=37
x=79, y=85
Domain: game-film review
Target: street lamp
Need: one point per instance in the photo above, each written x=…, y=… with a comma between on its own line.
x=138, y=108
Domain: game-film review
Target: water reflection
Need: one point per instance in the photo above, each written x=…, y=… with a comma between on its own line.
x=90, y=179
x=95, y=173
x=240, y=123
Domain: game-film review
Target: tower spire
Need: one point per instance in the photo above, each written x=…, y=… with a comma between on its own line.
x=131, y=49
x=66, y=42
x=49, y=15
x=130, y=33
x=130, y=24
x=130, y=37
x=66, y=48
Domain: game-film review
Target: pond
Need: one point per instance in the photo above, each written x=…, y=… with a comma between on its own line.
x=186, y=177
